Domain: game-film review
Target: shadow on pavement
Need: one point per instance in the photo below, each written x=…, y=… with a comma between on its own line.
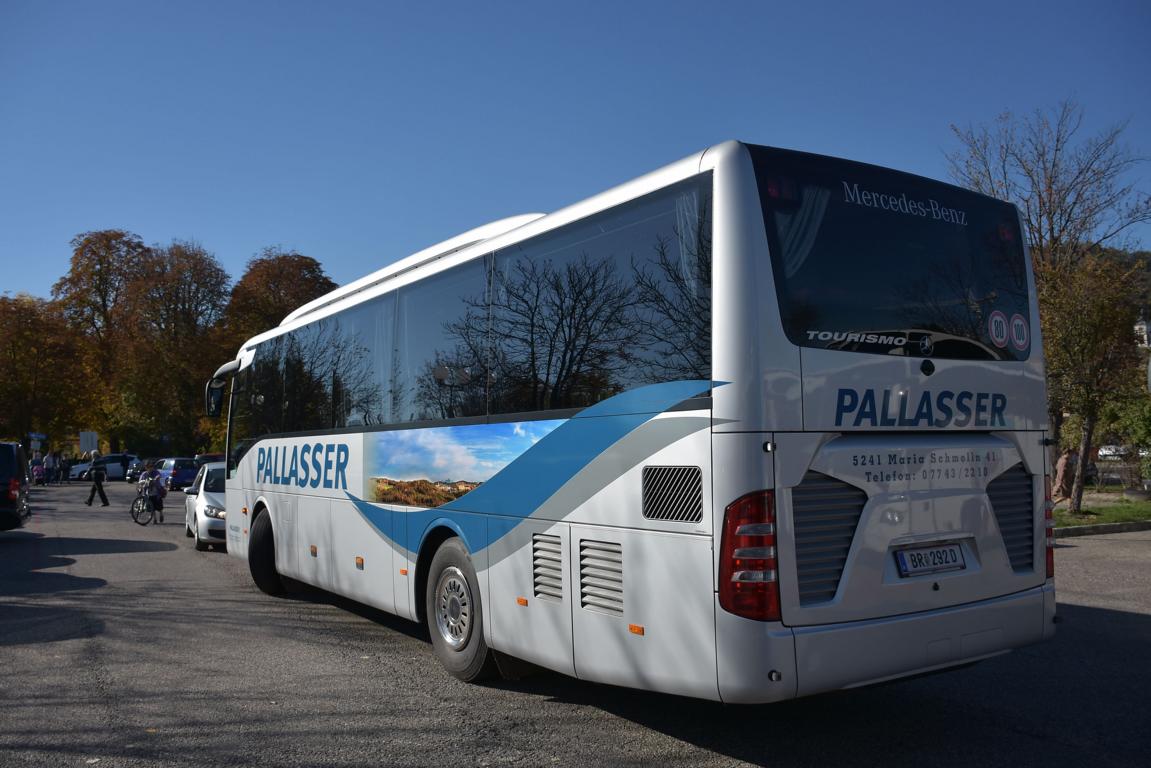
x=1074, y=698
x=28, y=560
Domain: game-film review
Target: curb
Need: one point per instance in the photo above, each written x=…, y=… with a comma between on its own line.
x=1093, y=530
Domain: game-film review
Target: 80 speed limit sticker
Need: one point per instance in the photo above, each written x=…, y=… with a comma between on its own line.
x=997, y=329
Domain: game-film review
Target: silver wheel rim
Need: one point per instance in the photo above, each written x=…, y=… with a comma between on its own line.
x=453, y=608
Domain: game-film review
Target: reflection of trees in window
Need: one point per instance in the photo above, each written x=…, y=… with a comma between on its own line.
x=958, y=298
x=561, y=334
x=329, y=377
x=438, y=372
x=562, y=321
x=674, y=296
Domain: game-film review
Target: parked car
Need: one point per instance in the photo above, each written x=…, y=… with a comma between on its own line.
x=114, y=466
x=79, y=470
x=204, y=458
x=177, y=473
x=204, y=518
x=13, y=486
x=136, y=468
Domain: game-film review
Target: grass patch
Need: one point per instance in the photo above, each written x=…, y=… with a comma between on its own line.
x=1119, y=512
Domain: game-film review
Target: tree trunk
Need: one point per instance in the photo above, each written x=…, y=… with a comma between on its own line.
x=1056, y=446
x=1076, y=502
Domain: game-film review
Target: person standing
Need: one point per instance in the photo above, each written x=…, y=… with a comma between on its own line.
x=49, y=468
x=153, y=484
x=96, y=475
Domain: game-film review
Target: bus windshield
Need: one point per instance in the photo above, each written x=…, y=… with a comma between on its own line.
x=873, y=260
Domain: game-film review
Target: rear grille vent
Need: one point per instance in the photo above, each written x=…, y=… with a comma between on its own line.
x=673, y=493
x=547, y=567
x=601, y=576
x=1013, y=501
x=826, y=513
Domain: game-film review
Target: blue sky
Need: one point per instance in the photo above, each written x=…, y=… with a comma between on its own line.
x=474, y=453
x=359, y=132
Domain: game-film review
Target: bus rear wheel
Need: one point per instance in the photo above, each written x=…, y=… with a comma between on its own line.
x=262, y=556
x=454, y=617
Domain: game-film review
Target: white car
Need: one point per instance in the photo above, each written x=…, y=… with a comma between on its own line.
x=112, y=466
x=204, y=516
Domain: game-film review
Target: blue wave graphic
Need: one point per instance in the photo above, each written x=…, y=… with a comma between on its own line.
x=531, y=479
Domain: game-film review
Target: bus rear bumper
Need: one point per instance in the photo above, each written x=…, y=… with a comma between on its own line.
x=849, y=655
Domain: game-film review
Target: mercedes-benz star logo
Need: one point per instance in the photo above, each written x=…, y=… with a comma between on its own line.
x=926, y=345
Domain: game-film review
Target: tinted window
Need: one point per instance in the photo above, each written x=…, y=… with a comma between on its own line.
x=873, y=260
x=215, y=482
x=7, y=461
x=611, y=302
x=184, y=464
x=441, y=334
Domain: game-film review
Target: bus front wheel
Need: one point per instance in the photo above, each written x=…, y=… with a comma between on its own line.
x=454, y=617
x=262, y=556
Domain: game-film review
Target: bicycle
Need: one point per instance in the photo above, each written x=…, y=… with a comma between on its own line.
x=143, y=508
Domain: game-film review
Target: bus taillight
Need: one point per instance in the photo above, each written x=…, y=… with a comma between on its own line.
x=1049, y=525
x=748, y=565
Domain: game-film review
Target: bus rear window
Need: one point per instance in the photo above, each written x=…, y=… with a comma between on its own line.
x=873, y=260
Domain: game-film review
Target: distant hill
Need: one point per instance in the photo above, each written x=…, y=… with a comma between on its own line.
x=421, y=493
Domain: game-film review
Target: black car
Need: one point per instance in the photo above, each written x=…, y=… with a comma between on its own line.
x=13, y=486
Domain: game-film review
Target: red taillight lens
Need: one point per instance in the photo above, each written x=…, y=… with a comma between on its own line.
x=1049, y=526
x=14, y=488
x=748, y=565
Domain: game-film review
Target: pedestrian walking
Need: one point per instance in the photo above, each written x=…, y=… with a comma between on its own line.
x=96, y=475
x=49, y=468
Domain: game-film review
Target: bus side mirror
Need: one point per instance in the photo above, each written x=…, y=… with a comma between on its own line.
x=214, y=398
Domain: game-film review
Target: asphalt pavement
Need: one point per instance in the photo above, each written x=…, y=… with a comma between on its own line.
x=122, y=646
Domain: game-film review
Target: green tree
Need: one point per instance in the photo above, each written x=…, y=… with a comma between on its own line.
x=1090, y=310
x=1076, y=198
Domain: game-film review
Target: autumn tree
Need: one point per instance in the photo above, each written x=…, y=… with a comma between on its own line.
x=273, y=284
x=92, y=296
x=1076, y=197
x=176, y=298
x=38, y=356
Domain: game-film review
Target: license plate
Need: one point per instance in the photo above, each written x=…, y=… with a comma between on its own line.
x=921, y=560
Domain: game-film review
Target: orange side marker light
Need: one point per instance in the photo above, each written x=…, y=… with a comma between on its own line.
x=635, y=629
x=522, y=601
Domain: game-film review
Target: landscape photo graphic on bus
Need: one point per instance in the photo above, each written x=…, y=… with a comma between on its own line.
x=432, y=467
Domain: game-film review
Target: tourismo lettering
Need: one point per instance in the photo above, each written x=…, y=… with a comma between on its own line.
x=863, y=338
x=311, y=465
x=903, y=204
x=889, y=408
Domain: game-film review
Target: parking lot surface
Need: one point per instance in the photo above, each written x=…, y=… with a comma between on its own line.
x=122, y=646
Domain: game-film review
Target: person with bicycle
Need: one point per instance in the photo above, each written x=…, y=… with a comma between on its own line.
x=152, y=484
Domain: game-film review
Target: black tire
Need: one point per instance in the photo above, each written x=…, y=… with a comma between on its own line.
x=455, y=616
x=187, y=531
x=198, y=543
x=142, y=510
x=262, y=556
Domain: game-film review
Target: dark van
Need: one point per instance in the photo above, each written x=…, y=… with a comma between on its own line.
x=13, y=486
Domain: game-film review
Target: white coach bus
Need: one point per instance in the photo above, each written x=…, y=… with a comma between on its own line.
x=756, y=425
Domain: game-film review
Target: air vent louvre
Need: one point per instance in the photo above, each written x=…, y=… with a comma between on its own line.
x=673, y=493
x=1012, y=496
x=547, y=567
x=826, y=512
x=601, y=576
